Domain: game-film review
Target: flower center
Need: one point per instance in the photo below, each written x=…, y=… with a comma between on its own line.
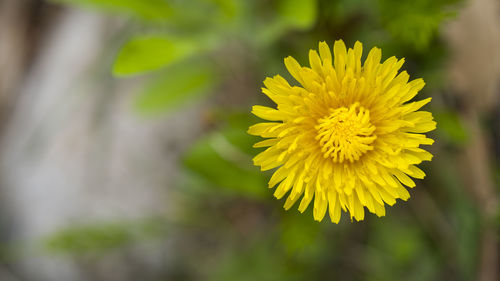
x=346, y=133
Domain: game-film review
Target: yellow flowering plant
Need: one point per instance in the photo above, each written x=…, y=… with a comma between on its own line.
x=347, y=137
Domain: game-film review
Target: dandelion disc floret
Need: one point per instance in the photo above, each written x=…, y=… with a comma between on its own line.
x=346, y=133
x=347, y=137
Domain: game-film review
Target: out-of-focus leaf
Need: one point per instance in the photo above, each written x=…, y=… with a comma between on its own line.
x=145, y=53
x=404, y=243
x=177, y=86
x=236, y=133
x=300, y=233
x=450, y=126
x=467, y=232
x=101, y=237
x=84, y=239
x=224, y=165
x=261, y=260
x=341, y=10
x=463, y=214
x=229, y=8
x=397, y=250
x=238, y=120
x=272, y=32
x=202, y=15
x=299, y=14
x=145, y=9
x=414, y=22
x=242, y=140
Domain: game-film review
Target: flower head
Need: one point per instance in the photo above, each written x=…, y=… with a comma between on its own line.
x=347, y=137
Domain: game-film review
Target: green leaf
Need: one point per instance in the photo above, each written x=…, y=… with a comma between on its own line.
x=300, y=234
x=145, y=9
x=176, y=86
x=299, y=14
x=237, y=123
x=242, y=140
x=224, y=165
x=101, y=237
x=82, y=239
x=229, y=8
x=146, y=53
x=259, y=259
x=341, y=10
x=451, y=128
x=414, y=22
x=397, y=249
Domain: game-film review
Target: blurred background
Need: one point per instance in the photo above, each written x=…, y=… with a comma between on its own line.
x=124, y=153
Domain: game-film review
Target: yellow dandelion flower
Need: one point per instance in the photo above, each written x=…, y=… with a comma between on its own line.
x=347, y=137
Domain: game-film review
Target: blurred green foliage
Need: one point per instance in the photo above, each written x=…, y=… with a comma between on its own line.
x=192, y=50
x=145, y=53
x=414, y=23
x=176, y=86
x=149, y=9
x=451, y=128
x=103, y=237
x=223, y=164
x=93, y=238
x=298, y=13
x=201, y=28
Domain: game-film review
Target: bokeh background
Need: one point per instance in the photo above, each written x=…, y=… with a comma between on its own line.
x=124, y=153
